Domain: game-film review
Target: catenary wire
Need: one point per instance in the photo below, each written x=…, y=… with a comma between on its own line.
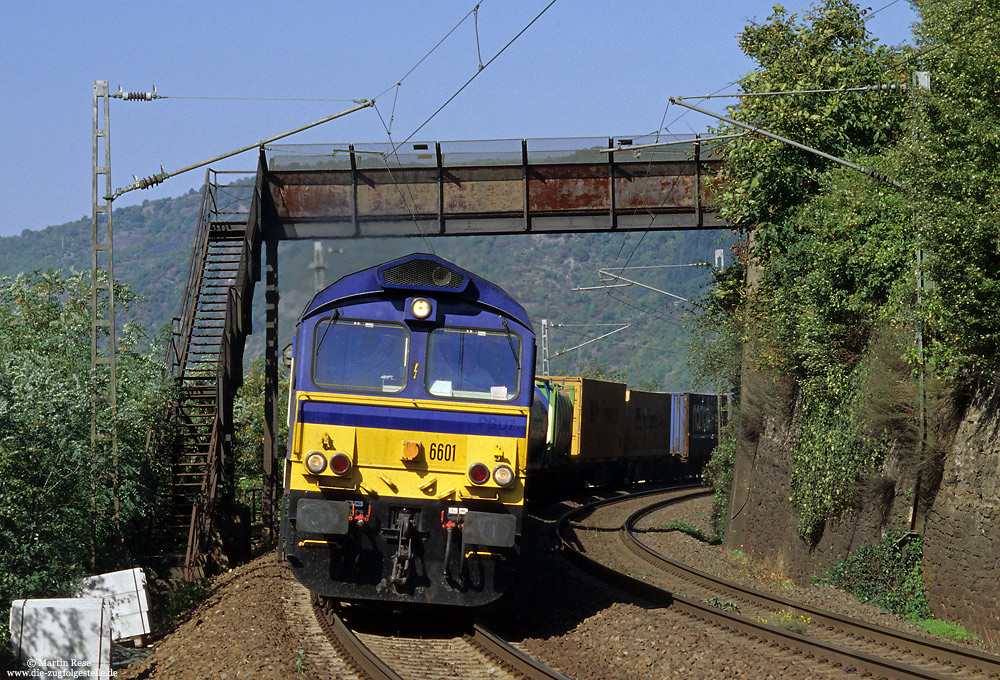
x=930, y=50
x=466, y=84
x=259, y=99
x=871, y=14
x=385, y=161
x=431, y=51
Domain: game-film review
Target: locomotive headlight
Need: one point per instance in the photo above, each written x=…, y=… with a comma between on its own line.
x=340, y=464
x=421, y=308
x=315, y=462
x=479, y=473
x=503, y=475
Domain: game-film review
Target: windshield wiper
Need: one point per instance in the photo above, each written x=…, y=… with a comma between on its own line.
x=329, y=325
x=510, y=341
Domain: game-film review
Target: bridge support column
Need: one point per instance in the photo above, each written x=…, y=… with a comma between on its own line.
x=269, y=502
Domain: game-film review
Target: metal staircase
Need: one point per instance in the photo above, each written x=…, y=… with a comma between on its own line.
x=205, y=357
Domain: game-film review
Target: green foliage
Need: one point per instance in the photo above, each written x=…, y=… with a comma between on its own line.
x=718, y=332
x=598, y=371
x=787, y=619
x=301, y=661
x=827, y=252
x=690, y=530
x=954, y=170
x=947, y=630
x=719, y=475
x=831, y=455
x=58, y=494
x=827, y=48
x=723, y=604
x=887, y=575
x=171, y=604
x=248, y=421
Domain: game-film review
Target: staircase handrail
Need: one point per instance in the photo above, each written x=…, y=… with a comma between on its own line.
x=182, y=334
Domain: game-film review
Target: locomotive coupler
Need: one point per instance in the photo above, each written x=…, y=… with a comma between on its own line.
x=404, y=551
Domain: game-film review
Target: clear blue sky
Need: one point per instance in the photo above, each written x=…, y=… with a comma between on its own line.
x=585, y=68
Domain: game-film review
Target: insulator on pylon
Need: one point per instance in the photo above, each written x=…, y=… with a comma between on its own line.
x=887, y=87
x=880, y=176
x=137, y=96
x=147, y=182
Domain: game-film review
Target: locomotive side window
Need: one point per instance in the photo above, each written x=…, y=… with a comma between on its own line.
x=473, y=364
x=360, y=355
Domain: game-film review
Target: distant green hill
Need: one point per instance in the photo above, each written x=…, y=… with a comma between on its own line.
x=153, y=242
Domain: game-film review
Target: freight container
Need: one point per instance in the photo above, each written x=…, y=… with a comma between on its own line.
x=647, y=433
x=598, y=418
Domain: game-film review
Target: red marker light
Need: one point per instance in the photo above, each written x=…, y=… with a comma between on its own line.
x=479, y=473
x=340, y=464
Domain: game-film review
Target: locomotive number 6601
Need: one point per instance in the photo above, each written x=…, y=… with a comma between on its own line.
x=442, y=452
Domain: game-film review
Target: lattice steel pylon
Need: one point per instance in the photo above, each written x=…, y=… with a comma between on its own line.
x=104, y=431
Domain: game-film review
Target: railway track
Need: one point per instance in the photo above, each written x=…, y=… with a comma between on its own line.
x=826, y=637
x=405, y=650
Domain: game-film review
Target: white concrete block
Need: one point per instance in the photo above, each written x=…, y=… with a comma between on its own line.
x=128, y=596
x=70, y=635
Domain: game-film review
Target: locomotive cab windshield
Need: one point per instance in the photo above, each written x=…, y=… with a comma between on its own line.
x=360, y=355
x=472, y=364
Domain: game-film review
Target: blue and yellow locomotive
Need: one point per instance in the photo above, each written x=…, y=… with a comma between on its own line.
x=409, y=415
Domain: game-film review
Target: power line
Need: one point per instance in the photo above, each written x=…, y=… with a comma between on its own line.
x=652, y=216
x=459, y=91
x=431, y=51
x=871, y=14
x=385, y=161
x=923, y=53
x=622, y=343
x=258, y=99
x=395, y=147
x=881, y=87
x=871, y=172
x=153, y=180
x=654, y=314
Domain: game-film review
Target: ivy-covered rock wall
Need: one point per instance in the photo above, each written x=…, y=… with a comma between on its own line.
x=764, y=522
x=962, y=533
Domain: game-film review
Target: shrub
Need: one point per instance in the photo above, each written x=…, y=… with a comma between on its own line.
x=886, y=575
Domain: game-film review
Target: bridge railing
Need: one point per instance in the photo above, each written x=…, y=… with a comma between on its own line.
x=491, y=187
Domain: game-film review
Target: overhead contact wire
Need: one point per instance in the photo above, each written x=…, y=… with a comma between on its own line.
x=430, y=52
x=459, y=91
x=399, y=189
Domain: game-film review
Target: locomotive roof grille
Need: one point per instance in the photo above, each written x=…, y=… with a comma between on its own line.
x=423, y=274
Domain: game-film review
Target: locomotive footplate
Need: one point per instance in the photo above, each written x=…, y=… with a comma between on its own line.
x=423, y=551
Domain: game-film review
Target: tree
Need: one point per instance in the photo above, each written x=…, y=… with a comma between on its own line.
x=55, y=494
x=248, y=417
x=954, y=161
